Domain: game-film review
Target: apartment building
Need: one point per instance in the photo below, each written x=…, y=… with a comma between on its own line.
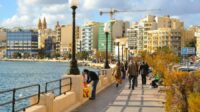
x=89, y=36
x=138, y=34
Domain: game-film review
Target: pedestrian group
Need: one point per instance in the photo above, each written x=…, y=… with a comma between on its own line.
x=121, y=70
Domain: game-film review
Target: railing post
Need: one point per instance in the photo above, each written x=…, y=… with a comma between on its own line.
x=60, y=86
x=38, y=94
x=13, y=102
x=46, y=87
x=70, y=83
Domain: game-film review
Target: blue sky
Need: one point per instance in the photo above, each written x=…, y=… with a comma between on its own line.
x=7, y=9
x=27, y=12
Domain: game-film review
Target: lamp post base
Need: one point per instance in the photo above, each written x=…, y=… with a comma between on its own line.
x=74, y=68
x=106, y=65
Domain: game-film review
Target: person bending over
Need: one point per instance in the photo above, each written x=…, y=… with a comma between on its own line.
x=91, y=77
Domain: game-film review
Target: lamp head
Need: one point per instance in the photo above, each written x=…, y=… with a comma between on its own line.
x=73, y=3
x=106, y=27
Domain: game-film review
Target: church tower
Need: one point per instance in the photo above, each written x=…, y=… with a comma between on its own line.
x=57, y=25
x=44, y=24
x=39, y=24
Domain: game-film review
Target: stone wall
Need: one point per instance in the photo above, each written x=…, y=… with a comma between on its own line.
x=70, y=100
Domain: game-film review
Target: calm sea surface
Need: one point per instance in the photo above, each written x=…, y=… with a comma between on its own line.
x=19, y=74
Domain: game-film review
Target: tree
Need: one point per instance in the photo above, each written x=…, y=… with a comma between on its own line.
x=55, y=54
x=41, y=53
x=67, y=55
x=17, y=55
x=26, y=55
x=191, y=43
x=82, y=55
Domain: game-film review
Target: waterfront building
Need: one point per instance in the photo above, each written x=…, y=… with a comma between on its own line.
x=138, y=34
x=23, y=42
x=58, y=37
x=50, y=46
x=2, y=43
x=89, y=36
x=123, y=42
x=187, y=37
x=43, y=33
x=117, y=30
x=164, y=37
x=66, y=39
x=132, y=37
x=197, y=35
x=102, y=40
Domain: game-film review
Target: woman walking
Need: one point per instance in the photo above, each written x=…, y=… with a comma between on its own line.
x=117, y=74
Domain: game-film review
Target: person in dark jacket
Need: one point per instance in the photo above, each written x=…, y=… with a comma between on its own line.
x=91, y=77
x=144, y=70
x=132, y=73
x=123, y=71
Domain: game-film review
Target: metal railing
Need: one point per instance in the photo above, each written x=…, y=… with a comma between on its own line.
x=15, y=100
x=104, y=71
x=62, y=87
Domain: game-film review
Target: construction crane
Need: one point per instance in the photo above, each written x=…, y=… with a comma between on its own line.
x=112, y=11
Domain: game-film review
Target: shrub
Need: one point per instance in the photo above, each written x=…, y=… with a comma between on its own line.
x=194, y=102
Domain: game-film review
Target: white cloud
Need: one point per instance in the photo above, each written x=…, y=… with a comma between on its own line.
x=29, y=11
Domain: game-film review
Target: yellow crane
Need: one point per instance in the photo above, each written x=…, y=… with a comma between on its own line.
x=113, y=11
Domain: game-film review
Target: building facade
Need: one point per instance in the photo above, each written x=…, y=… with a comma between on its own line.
x=23, y=42
x=117, y=30
x=50, y=46
x=197, y=34
x=89, y=36
x=66, y=39
x=58, y=37
x=102, y=40
x=164, y=37
x=2, y=44
x=140, y=35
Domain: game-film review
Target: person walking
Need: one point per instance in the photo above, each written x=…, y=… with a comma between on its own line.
x=137, y=72
x=123, y=71
x=91, y=77
x=144, y=70
x=117, y=74
x=132, y=74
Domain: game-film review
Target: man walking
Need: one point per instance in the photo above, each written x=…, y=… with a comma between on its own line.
x=132, y=74
x=144, y=70
x=91, y=76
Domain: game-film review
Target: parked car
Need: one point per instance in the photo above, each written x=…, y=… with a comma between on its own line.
x=187, y=69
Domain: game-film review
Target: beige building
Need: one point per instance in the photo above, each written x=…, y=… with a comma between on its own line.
x=119, y=28
x=43, y=33
x=187, y=37
x=197, y=35
x=138, y=34
x=164, y=37
x=58, y=36
x=2, y=44
x=123, y=43
x=66, y=38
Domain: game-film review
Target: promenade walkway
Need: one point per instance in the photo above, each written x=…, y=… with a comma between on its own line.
x=121, y=99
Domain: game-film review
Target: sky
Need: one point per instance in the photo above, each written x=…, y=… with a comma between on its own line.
x=25, y=13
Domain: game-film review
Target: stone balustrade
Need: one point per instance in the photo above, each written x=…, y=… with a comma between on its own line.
x=72, y=99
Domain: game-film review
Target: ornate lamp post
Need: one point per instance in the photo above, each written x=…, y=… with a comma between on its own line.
x=117, y=43
x=126, y=49
x=106, y=30
x=123, y=52
x=74, y=67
